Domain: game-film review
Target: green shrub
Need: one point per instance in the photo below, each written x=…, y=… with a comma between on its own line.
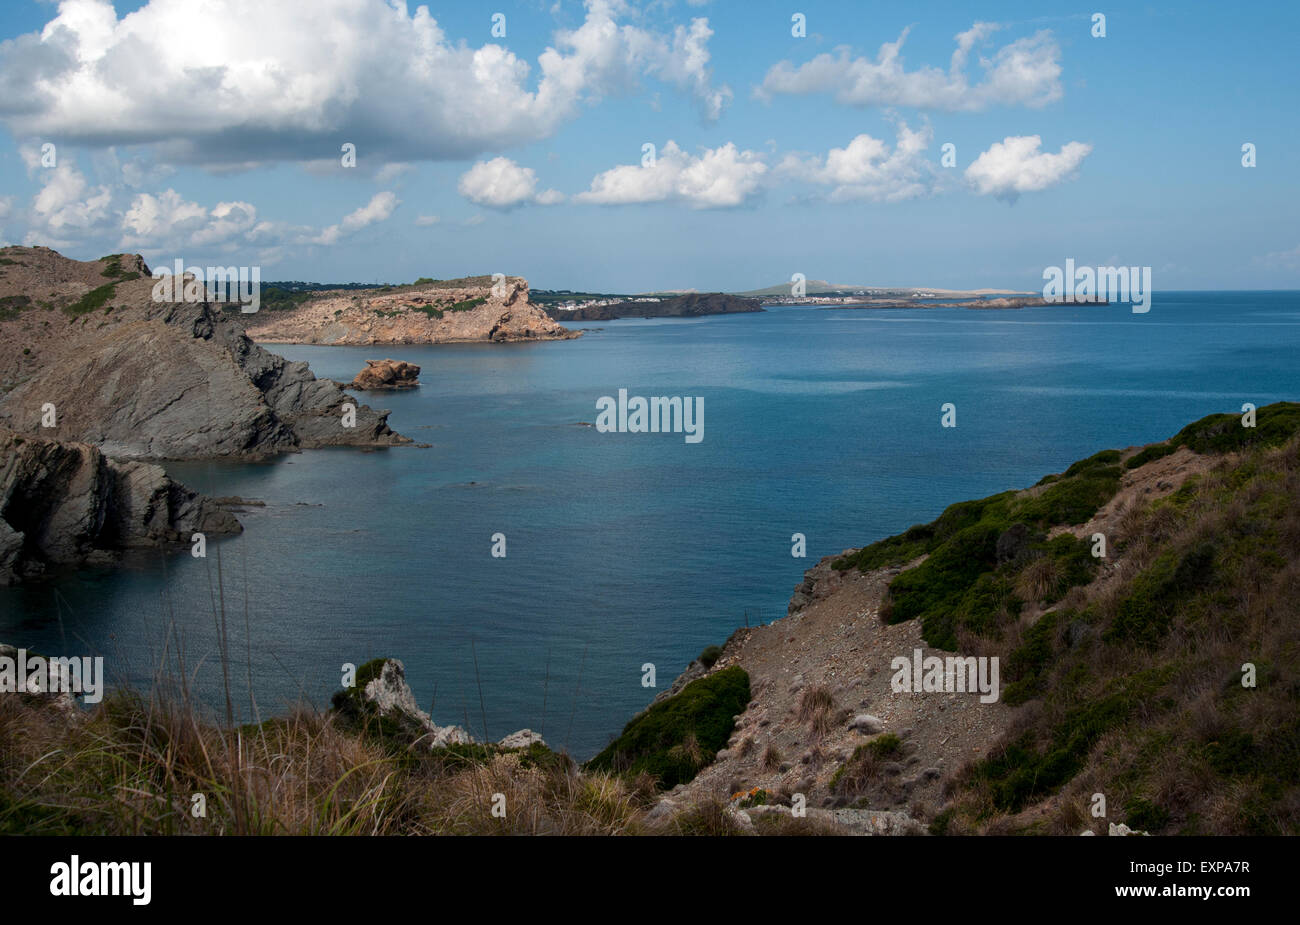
x=710, y=655
x=92, y=300
x=1073, y=500
x=11, y=306
x=1150, y=454
x=1145, y=613
x=1224, y=433
x=1144, y=815
x=674, y=739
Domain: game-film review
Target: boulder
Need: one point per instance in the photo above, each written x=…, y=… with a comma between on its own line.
x=386, y=374
x=866, y=724
x=524, y=738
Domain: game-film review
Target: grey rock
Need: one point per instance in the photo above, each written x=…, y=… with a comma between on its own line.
x=866, y=724
x=389, y=693
x=524, y=738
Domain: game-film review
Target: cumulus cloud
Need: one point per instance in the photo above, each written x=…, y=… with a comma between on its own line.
x=66, y=208
x=240, y=82
x=1025, y=72
x=502, y=184
x=378, y=209
x=1015, y=165
x=722, y=177
x=867, y=169
x=169, y=220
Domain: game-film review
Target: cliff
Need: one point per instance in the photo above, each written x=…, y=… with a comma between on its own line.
x=65, y=504
x=471, y=310
x=153, y=379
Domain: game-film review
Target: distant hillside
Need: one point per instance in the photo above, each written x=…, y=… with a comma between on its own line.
x=690, y=305
x=819, y=287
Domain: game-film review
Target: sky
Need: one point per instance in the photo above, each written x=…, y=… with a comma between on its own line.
x=635, y=146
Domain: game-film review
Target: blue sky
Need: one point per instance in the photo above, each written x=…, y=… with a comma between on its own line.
x=212, y=132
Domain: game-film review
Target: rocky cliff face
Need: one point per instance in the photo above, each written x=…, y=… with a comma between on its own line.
x=68, y=504
x=458, y=311
x=147, y=379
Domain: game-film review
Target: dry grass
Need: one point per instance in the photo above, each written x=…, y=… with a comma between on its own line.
x=817, y=710
x=135, y=767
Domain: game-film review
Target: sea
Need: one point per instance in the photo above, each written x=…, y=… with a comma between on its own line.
x=626, y=554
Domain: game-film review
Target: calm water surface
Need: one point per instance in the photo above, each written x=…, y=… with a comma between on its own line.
x=624, y=549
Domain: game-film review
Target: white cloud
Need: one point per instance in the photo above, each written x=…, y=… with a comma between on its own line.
x=6, y=206
x=425, y=220
x=169, y=218
x=865, y=168
x=390, y=172
x=1015, y=165
x=502, y=184
x=378, y=209
x=240, y=82
x=721, y=177
x=1025, y=72
x=66, y=207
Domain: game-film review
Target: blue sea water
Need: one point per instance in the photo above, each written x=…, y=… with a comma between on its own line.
x=627, y=549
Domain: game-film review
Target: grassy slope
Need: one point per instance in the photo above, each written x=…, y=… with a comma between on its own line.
x=1133, y=691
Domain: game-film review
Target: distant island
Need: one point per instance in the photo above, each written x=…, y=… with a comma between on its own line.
x=688, y=305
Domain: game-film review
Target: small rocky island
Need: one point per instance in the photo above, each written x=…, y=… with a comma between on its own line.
x=382, y=375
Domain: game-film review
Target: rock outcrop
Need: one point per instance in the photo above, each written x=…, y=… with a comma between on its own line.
x=65, y=504
x=386, y=374
x=381, y=691
x=472, y=310
x=86, y=346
